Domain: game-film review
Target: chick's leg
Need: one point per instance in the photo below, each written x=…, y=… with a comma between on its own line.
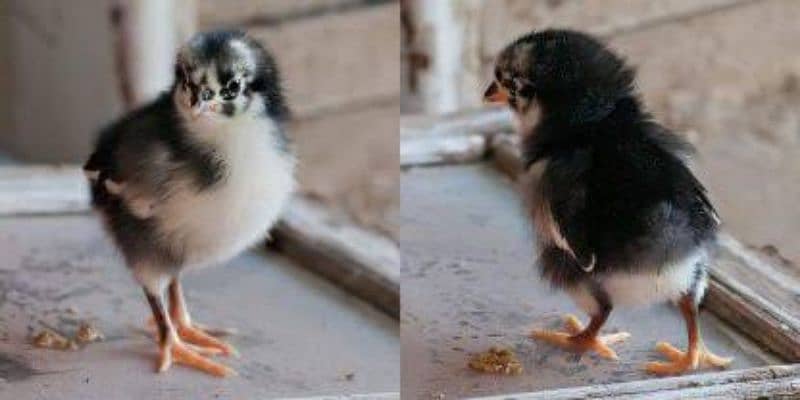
x=173, y=349
x=190, y=332
x=580, y=339
x=695, y=356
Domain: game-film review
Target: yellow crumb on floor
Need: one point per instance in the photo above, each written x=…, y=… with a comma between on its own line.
x=48, y=339
x=496, y=361
x=88, y=333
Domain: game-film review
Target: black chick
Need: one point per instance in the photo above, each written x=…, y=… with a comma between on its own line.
x=621, y=220
x=194, y=178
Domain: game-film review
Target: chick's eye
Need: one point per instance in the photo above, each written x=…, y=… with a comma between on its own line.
x=230, y=91
x=207, y=94
x=526, y=90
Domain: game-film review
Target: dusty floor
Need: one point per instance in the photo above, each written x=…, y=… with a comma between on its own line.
x=298, y=334
x=469, y=283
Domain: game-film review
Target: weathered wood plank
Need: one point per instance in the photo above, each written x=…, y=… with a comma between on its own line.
x=430, y=150
x=364, y=264
x=757, y=298
x=42, y=190
x=483, y=121
x=772, y=382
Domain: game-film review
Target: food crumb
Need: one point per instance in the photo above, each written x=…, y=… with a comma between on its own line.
x=48, y=339
x=87, y=333
x=496, y=361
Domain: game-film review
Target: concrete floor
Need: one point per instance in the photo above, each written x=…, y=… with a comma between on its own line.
x=469, y=283
x=298, y=334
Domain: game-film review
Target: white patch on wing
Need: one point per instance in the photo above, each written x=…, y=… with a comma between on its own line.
x=549, y=230
x=91, y=175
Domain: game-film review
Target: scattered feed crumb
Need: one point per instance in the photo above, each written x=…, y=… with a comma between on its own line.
x=48, y=339
x=496, y=361
x=87, y=333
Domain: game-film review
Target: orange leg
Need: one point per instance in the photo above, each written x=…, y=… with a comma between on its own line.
x=193, y=333
x=578, y=339
x=696, y=355
x=172, y=349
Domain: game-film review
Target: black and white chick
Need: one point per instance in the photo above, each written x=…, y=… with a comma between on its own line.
x=194, y=178
x=620, y=218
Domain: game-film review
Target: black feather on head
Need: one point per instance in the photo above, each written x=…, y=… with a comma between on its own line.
x=569, y=74
x=233, y=69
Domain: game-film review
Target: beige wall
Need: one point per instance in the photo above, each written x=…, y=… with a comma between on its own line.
x=677, y=44
x=58, y=69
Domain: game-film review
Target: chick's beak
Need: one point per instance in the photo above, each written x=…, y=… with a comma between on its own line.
x=495, y=94
x=203, y=107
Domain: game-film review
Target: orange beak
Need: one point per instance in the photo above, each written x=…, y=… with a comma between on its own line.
x=495, y=94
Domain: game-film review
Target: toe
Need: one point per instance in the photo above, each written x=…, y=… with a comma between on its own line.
x=573, y=324
x=164, y=359
x=711, y=359
x=668, y=368
x=184, y=355
x=659, y=368
x=205, y=351
x=671, y=352
x=200, y=338
x=556, y=338
x=216, y=331
x=606, y=352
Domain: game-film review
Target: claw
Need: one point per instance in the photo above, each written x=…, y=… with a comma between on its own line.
x=200, y=338
x=175, y=351
x=681, y=362
x=573, y=340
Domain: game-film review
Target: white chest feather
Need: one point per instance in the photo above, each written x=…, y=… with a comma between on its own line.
x=218, y=223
